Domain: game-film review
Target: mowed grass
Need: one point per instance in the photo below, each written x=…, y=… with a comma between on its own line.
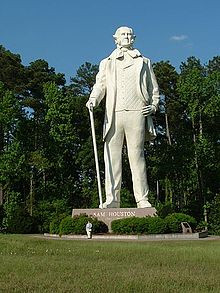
x=30, y=264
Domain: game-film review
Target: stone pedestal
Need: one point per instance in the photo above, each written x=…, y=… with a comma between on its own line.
x=108, y=215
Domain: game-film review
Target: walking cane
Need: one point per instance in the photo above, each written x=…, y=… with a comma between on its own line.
x=96, y=154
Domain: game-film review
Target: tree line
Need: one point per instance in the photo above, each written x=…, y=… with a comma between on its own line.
x=46, y=156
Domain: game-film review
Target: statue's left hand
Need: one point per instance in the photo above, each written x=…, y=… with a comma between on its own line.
x=148, y=110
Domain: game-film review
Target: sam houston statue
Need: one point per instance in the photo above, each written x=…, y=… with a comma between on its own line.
x=127, y=82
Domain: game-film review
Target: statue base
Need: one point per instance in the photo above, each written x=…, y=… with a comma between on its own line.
x=111, y=214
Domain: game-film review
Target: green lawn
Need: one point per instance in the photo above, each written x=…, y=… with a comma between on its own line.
x=29, y=264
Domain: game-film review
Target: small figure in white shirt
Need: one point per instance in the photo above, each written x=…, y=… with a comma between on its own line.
x=89, y=230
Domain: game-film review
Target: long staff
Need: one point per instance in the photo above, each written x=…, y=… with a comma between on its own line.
x=96, y=154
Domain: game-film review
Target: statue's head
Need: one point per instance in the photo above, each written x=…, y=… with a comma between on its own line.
x=124, y=37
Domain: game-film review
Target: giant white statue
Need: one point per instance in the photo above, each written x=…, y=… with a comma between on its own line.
x=127, y=82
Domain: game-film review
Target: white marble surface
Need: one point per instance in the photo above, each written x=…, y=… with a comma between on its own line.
x=127, y=82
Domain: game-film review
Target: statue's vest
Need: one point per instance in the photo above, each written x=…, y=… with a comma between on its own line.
x=127, y=96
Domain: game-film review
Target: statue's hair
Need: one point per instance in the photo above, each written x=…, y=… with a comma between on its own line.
x=115, y=36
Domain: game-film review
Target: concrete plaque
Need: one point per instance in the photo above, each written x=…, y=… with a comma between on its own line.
x=111, y=214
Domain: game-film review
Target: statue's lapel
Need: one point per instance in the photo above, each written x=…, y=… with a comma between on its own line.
x=139, y=66
x=111, y=74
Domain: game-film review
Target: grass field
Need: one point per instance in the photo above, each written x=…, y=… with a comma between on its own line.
x=29, y=264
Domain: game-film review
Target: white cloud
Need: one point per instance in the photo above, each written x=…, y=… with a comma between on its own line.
x=179, y=38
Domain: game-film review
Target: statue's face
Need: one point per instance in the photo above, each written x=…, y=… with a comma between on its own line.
x=125, y=38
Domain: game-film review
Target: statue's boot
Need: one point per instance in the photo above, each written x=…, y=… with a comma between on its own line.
x=143, y=204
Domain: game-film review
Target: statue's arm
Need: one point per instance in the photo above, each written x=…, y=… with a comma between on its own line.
x=99, y=88
x=153, y=91
x=152, y=86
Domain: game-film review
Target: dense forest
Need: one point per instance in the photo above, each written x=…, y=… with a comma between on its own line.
x=46, y=155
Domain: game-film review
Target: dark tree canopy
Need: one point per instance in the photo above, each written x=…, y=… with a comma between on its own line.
x=12, y=72
x=84, y=80
x=46, y=155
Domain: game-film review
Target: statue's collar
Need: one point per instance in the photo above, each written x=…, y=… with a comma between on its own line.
x=119, y=52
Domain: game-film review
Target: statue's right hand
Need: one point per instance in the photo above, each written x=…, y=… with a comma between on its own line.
x=92, y=102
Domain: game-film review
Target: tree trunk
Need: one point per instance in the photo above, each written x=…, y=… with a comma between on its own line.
x=1, y=139
x=1, y=195
x=31, y=193
x=158, y=191
x=198, y=171
x=168, y=189
x=1, y=150
x=167, y=129
x=200, y=124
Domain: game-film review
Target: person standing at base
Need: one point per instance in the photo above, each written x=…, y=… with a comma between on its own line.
x=127, y=81
x=89, y=230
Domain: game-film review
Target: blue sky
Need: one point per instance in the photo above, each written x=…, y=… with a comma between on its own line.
x=68, y=33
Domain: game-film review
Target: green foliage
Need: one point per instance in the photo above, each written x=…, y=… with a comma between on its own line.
x=59, y=114
x=55, y=223
x=47, y=212
x=134, y=225
x=127, y=199
x=39, y=73
x=131, y=225
x=84, y=80
x=12, y=72
x=98, y=226
x=1, y=218
x=16, y=218
x=214, y=64
x=77, y=225
x=156, y=225
x=164, y=210
x=9, y=110
x=167, y=78
x=201, y=226
x=10, y=116
x=214, y=216
x=46, y=145
x=174, y=220
x=12, y=165
x=67, y=226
